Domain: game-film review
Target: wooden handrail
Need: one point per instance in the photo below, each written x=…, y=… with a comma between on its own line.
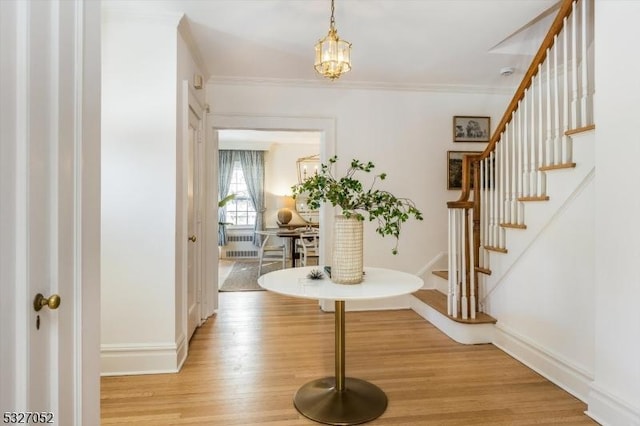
x=468, y=249
x=554, y=30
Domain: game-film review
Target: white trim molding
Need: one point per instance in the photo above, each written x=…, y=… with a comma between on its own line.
x=607, y=409
x=467, y=334
x=141, y=358
x=574, y=379
x=360, y=85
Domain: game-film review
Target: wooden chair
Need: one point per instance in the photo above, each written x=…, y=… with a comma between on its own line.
x=308, y=247
x=270, y=252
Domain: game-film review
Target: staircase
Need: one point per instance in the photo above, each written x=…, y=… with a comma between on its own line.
x=539, y=157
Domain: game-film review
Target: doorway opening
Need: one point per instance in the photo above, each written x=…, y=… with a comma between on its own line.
x=324, y=130
x=239, y=251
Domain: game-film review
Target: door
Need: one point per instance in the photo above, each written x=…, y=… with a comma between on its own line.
x=50, y=196
x=194, y=290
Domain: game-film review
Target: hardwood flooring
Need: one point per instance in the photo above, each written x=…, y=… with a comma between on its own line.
x=246, y=363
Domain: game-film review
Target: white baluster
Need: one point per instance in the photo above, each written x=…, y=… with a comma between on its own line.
x=451, y=262
x=484, y=196
x=484, y=223
x=507, y=173
x=513, y=138
x=574, y=69
x=589, y=64
x=526, y=190
x=521, y=150
x=551, y=158
x=501, y=186
x=493, y=182
x=464, y=301
x=472, y=295
x=492, y=219
x=533, y=176
x=460, y=246
x=566, y=140
x=542, y=183
x=584, y=111
x=557, y=141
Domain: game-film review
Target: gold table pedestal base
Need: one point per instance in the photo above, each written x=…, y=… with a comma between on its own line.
x=358, y=402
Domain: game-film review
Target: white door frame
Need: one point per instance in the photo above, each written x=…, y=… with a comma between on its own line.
x=218, y=121
x=195, y=108
x=191, y=105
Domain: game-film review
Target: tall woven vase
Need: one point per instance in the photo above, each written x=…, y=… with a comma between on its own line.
x=347, y=251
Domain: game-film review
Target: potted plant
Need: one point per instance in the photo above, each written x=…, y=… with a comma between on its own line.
x=358, y=202
x=222, y=237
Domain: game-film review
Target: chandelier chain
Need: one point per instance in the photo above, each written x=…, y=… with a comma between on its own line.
x=332, y=22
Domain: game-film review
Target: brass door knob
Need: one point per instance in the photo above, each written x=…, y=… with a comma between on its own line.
x=40, y=302
x=192, y=238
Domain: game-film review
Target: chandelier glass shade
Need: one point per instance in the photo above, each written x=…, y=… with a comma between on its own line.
x=333, y=55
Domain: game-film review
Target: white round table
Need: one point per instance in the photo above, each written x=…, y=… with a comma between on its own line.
x=340, y=400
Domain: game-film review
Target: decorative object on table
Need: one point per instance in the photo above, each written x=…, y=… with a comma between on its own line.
x=357, y=203
x=471, y=129
x=315, y=274
x=285, y=215
x=333, y=55
x=454, y=168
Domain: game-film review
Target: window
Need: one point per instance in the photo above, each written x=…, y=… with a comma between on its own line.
x=240, y=211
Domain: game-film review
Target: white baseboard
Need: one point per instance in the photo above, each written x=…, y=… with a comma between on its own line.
x=561, y=372
x=609, y=410
x=182, y=351
x=121, y=360
x=462, y=333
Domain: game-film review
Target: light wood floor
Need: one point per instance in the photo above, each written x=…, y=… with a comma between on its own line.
x=245, y=365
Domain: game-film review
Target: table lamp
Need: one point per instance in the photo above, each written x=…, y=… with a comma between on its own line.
x=285, y=215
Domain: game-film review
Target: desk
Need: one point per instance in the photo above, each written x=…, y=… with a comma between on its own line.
x=292, y=236
x=340, y=400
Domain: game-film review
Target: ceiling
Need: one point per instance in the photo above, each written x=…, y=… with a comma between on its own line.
x=452, y=45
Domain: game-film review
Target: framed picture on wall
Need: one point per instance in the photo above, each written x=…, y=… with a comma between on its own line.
x=454, y=168
x=471, y=129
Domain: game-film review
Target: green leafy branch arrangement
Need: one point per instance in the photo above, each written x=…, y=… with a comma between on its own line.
x=356, y=200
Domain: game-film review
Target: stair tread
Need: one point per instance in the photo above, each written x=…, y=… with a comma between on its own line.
x=438, y=301
x=441, y=274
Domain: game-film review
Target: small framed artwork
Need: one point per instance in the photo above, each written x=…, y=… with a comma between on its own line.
x=454, y=168
x=471, y=129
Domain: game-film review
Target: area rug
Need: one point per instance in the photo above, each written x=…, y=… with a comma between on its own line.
x=244, y=275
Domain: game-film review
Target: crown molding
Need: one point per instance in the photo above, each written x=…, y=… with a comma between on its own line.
x=360, y=85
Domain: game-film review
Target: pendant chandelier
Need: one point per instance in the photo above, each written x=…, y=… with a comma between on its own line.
x=333, y=56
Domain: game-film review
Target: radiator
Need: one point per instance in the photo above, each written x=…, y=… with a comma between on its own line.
x=240, y=253
x=239, y=238
x=240, y=245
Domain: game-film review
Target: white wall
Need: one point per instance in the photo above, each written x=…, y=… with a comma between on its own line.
x=545, y=302
x=139, y=194
x=615, y=396
x=406, y=134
